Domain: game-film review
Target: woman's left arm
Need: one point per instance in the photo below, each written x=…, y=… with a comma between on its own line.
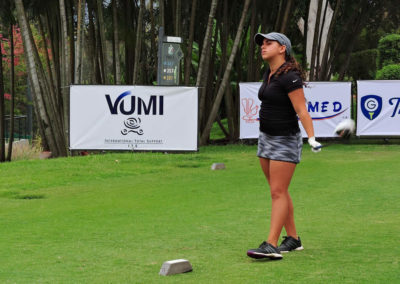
x=299, y=104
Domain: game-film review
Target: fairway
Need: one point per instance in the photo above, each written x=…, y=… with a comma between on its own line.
x=115, y=218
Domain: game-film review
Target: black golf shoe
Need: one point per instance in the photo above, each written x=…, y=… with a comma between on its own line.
x=290, y=244
x=266, y=250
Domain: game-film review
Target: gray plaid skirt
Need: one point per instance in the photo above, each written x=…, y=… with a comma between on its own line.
x=280, y=148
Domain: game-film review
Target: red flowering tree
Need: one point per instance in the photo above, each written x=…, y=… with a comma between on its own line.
x=13, y=84
x=19, y=65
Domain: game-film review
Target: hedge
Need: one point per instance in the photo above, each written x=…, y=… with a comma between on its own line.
x=389, y=72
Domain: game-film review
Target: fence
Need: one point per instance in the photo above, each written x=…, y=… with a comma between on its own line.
x=21, y=127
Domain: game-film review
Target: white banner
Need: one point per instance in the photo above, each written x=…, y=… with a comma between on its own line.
x=133, y=118
x=249, y=110
x=378, y=107
x=327, y=102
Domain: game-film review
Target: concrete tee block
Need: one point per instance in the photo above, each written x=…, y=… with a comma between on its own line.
x=218, y=166
x=175, y=266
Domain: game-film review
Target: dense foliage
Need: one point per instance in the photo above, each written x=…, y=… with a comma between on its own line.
x=389, y=58
x=389, y=72
x=389, y=50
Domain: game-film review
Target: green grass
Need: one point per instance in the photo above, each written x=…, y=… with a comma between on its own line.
x=115, y=218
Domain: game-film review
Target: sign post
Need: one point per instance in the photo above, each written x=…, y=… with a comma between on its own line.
x=169, y=57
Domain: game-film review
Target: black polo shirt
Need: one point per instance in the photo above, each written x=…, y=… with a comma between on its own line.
x=277, y=115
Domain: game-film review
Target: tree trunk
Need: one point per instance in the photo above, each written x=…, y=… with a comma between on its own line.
x=203, y=60
x=188, y=58
x=253, y=26
x=102, y=38
x=304, y=61
x=178, y=18
x=286, y=16
x=47, y=80
x=153, y=44
x=206, y=43
x=55, y=63
x=45, y=97
x=232, y=8
x=12, y=81
x=117, y=64
x=239, y=59
x=324, y=66
x=129, y=41
x=139, y=32
x=317, y=66
x=42, y=134
x=230, y=113
x=162, y=13
x=279, y=16
x=2, y=113
x=315, y=41
x=206, y=133
x=34, y=78
x=71, y=38
x=66, y=77
x=228, y=100
x=48, y=63
x=52, y=109
x=93, y=45
x=223, y=30
x=266, y=23
x=79, y=42
x=209, y=79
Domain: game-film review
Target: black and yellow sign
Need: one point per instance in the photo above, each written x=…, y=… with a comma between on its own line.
x=169, y=57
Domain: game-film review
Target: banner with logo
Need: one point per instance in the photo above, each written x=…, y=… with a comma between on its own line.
x=133, y=118
x=249, y=109
x=378, y=108
x=327, y=102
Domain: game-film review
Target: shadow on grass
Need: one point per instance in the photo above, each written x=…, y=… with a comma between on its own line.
x=263, y=260
x=29, y=196
x=17, y=195
x=188, y=165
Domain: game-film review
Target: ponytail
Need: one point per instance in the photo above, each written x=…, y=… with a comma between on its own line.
x=291, y=65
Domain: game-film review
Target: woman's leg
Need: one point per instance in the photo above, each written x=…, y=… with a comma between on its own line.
x=279, y=175
x=265, y=167
x=289, y=225
x=278, y=181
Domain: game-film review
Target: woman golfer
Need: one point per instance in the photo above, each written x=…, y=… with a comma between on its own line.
x=280, y=141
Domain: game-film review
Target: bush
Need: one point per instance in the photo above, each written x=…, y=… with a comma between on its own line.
x=389, y=72
x=389, y=50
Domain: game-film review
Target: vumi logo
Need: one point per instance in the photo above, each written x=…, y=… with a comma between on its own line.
x=132, y=125
x=135, y=104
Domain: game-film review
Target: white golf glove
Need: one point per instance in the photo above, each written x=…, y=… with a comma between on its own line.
x=315, y=146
